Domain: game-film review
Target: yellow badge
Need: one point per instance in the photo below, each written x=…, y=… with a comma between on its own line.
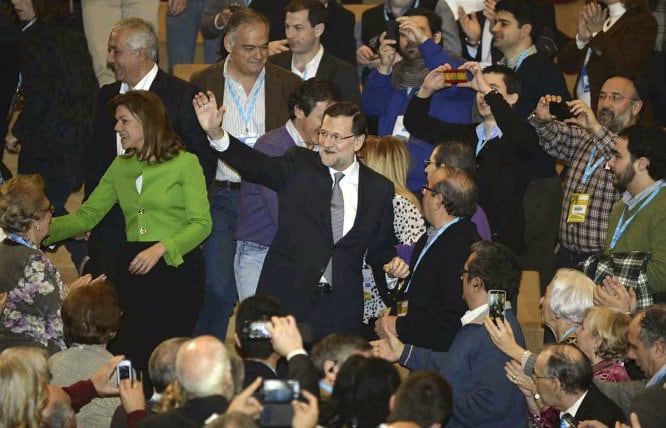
x=402, y=308
x=578, y=207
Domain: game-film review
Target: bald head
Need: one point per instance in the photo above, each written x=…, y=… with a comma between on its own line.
x=202, y=367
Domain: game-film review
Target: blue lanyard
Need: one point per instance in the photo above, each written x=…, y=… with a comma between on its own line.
x=658, y=377
x=246, y=115
x=21, y=240
x=427, y=247
x=567, y=333
x=590, y=168
x=622, y=225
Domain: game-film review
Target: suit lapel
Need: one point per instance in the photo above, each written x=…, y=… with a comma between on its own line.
x=272, y=86
x=325, y=66
x=158, y=83
x=324, y=204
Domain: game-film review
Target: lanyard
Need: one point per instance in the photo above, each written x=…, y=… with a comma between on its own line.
x=427, y=247
x=622, y=225
x=246, y=115
x=590, y=168
x=480, y=145
x=567, y=333
x=21, y=240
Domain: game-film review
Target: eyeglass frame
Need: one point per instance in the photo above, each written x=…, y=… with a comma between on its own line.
x=322, y=135
x=425, y=187
x=614, y=98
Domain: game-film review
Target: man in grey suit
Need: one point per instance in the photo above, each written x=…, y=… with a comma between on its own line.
x=305, y=22
x=255, y=95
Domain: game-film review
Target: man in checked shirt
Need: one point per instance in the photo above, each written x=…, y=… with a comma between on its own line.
x=584, y=143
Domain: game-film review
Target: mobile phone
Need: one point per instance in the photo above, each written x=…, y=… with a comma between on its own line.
x=560, y=110
x=496, y=304
x=454, y=77
x=392, y=32
x=124, y=370
x=256, y=330
x=569, y=421
x=280, y=391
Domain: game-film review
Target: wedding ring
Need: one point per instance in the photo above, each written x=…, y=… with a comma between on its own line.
x=513, y=377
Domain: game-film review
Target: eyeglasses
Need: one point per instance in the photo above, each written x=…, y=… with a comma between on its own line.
x=428, y=162
x=425, y=187
x=337, y=138
x=616, y=98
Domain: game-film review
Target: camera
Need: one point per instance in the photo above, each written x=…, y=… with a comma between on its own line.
x=454, y=77
x=256, y=330
x=276, y=396
x=561, y=111
x=124, y=371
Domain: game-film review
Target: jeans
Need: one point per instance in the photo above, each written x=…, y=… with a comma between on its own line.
x=181, y=31
x=248, y=263
x=210, y=50
x=219, y=250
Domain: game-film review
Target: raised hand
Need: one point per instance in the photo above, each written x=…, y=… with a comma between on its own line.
x=433, y=82
x=478, y=82
x=470, y=26
x=209, y=116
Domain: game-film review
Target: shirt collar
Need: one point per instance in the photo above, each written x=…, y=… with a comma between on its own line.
x=351, y=173
x=574, y=408
x=144, y=83
x=495, y=132
x=632, y=201
x=473, y=314
x=658, y=377
x=616, y=10
x=311, y=67
x=516, y=60
x=294, y=134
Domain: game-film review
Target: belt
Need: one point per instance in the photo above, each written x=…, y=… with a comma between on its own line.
x=323, y=288
x=227, y=185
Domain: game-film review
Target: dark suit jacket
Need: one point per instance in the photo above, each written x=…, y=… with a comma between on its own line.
x=191, y=414
x=304, y=243
x=624, y=49
x=342, y=74
x=650, y=406
x=338, y=37
x=596, y=406
x=435, y=292
x=279, y=85
x=108, y=236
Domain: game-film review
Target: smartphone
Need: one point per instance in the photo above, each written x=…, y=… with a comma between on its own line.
x=256, y=330
x=124, y=370
x=496, y=304
x=454, y=77
x=561, y=111
x=568, y=421
x=392, y=32
x=280, y=391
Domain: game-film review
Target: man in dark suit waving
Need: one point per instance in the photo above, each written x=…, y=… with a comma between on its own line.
x=333, y=210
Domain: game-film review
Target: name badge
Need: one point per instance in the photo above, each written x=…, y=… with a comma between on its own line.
x=578, y=208
x=402, y=307
x=248, y=140
x=368, y=283
x=399, y=129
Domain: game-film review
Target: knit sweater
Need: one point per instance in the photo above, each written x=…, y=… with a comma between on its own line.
x=646, y=233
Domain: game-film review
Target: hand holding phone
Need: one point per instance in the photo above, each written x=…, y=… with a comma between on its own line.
x=560, y=110
x=496, y=304
x=392, y=30
x=124, y=371
x=453, y=77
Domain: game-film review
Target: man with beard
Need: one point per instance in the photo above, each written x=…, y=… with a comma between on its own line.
x=584, y=143
x=392, y=84
x=638, y=221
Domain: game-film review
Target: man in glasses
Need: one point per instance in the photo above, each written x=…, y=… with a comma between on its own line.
x=331, y=211
x=429, y=304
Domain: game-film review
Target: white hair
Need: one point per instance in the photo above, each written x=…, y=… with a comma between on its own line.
x=571, y=293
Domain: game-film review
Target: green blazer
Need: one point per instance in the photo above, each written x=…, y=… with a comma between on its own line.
x=172, y=207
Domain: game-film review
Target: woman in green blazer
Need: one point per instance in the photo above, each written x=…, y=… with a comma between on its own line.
x=162, y=193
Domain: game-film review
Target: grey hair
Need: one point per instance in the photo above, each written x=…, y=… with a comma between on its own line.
x=142, y=36
x=571, y=294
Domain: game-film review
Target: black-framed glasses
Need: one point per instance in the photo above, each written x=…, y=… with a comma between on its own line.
x=425, y=187
x=337, y=138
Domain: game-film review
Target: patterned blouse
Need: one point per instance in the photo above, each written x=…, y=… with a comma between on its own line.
x=35, y=295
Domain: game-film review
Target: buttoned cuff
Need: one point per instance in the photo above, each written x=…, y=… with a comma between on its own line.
x=292, y=354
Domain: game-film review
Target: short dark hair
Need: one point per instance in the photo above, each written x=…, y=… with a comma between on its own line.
x=310, y=92
x=509, y=77
x=91, y=314
x=255, y=308
x=455, y=154
x=424, y=398
x=458, y=192
x=317, y=13
x=337, y=347
x=497, y=266
x=434, y=20
x=570, y=366
x=345, y=108
x=520, y=9
x=650, y=143
x=653, y=325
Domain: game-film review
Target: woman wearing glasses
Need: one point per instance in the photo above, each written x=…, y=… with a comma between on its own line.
x=30, y=283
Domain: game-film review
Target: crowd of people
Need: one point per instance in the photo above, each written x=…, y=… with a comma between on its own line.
x=362, y=196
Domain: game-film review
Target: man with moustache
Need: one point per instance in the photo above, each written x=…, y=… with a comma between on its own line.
x=584, y=144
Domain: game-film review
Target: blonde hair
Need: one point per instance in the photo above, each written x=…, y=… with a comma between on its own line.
x=611, y=325
x=23, y=392
x=389, y=156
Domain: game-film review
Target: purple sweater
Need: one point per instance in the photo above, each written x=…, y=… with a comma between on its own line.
x=258, y=207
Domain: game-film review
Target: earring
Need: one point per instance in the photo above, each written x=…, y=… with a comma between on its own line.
x=36, y=226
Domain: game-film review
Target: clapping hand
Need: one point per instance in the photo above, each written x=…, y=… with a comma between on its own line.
x=208, y=114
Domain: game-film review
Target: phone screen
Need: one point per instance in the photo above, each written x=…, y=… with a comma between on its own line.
x=496, y=304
